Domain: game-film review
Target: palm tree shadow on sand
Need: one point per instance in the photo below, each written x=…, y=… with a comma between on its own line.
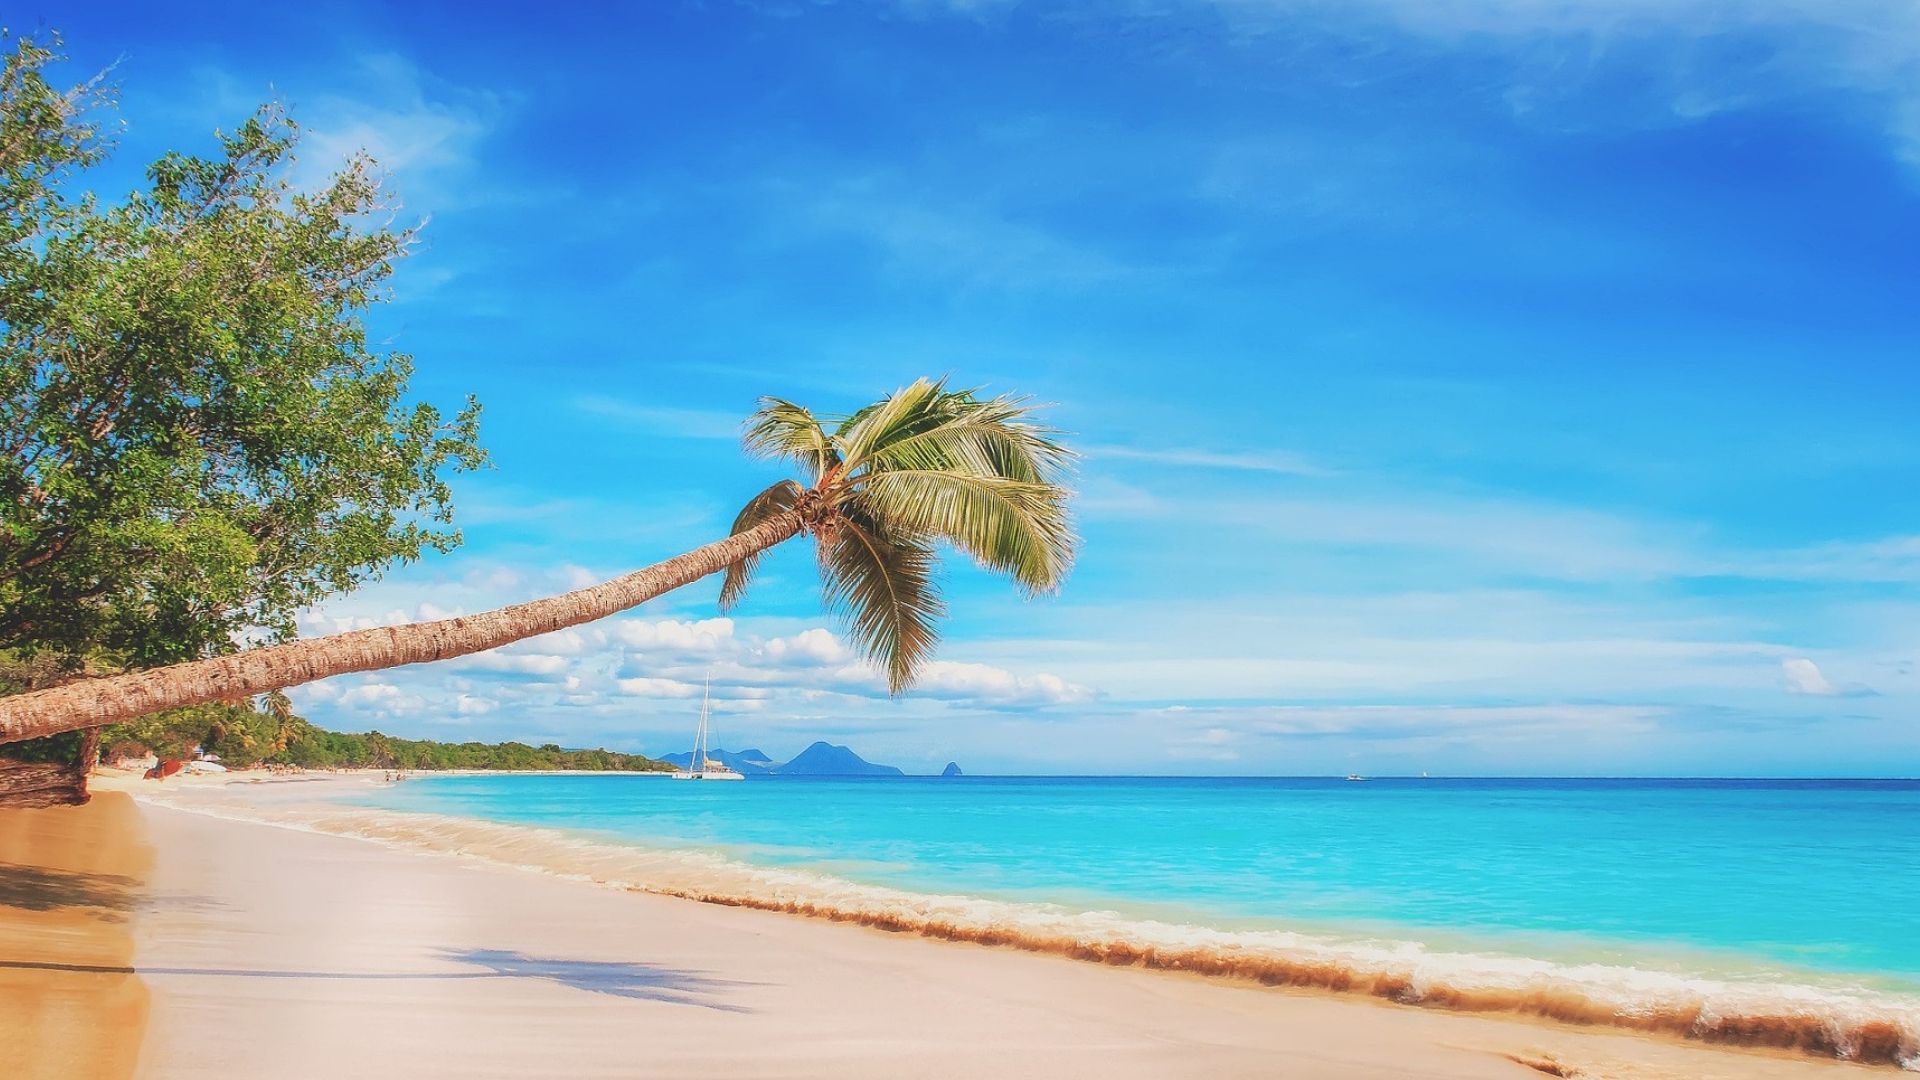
x=642, y=982
x=638, y=982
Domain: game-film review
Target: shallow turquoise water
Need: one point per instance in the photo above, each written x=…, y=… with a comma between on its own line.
x=1775, y=877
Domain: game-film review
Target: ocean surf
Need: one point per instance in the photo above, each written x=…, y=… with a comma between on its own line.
x=720, y=853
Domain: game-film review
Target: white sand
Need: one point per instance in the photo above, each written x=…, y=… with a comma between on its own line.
x=275, y=953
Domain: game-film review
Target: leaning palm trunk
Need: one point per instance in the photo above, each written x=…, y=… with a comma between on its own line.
x=923, y=466
x=93, y=702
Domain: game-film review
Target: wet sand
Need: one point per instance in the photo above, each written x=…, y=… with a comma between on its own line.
x=71, y=880
x=270, y=952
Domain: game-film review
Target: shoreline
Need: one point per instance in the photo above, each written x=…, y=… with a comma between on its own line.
x=453, y=967
x=533, y=852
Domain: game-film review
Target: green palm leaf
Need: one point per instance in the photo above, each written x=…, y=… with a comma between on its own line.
x=905, y=412
x=989, y=437
x=781, y=429
x=1015, y=527
x=769, y=504
x=890, y=482
x=881, y=585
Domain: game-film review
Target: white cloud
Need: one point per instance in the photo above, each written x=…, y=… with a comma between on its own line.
x=667, y=657
x=815, y=646
x=471, y=705
x=1804, y=677
x=539, y=664
x=317, y=693
x=705, y=637
x=998, y=686
x=373, y=693
x=422, y=131
x=1216, y=745
x=661, y=688
x=379, y=699
x=574, y=642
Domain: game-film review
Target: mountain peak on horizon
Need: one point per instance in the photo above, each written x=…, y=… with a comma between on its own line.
x=825, y=759
x=821, y=758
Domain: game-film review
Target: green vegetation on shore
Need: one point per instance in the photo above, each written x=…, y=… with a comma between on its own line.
x=241, y=736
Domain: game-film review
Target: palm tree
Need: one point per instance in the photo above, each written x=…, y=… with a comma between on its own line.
x=882, y=488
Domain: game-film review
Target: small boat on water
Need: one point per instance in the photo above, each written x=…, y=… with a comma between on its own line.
x=1356, y=778
x=699, y=765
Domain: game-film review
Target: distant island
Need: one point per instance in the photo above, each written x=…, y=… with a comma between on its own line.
x=820, y=759
x=952, y=769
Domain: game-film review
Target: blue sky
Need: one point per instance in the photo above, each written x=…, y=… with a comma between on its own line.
x=1504, y=386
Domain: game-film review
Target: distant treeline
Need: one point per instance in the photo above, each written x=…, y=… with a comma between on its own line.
x=242, y=735
x=311, y=747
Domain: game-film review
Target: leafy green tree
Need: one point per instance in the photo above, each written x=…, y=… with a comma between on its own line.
x=270, y=460
x=197, y=438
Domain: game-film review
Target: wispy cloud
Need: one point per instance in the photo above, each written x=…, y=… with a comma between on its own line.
x=663, y=420
x=1394, y=720
x=1694, y=58
x=969, y=240
x=424, y=132
x=1265, y=461
x=1569, y=63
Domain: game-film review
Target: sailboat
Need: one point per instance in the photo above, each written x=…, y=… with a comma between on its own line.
x=699, y=765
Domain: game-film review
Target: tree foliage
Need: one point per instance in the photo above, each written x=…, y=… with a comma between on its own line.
x=197, y=437
x=244, y=735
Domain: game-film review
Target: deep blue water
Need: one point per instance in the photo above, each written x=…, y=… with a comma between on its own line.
x=1764, y=875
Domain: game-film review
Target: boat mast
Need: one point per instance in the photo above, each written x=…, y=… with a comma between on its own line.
x=704, y=699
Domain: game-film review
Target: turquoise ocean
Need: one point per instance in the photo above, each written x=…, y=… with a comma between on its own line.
x=1765, y=911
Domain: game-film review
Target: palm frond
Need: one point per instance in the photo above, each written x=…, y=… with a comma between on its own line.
x=920, y=405
x=927, y=464
x=880, y=582
x=1018, y=527
x=770, y=503
x=781, y=429
x=990, y=437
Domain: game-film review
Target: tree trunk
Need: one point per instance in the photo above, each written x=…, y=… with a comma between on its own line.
x=93, y=702
x=33, y=785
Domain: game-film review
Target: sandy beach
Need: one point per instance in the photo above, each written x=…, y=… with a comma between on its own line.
x=260, y=951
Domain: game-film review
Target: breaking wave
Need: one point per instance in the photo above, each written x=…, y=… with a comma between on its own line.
x=1852, y=1023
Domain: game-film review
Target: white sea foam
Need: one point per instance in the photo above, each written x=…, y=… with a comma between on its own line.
x=1853, y=1022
